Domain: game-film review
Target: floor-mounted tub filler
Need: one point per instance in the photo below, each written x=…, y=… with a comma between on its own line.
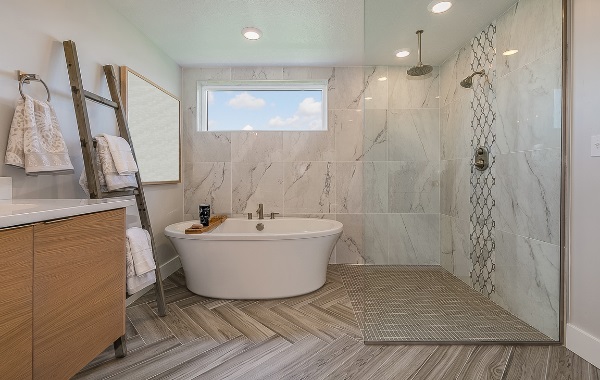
x=256, y=259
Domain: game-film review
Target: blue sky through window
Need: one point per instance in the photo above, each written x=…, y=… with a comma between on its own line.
x=264, y=110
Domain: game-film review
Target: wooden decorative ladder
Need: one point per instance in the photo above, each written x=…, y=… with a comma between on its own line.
x=87, y=146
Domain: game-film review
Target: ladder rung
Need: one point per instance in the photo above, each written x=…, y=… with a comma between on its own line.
x=114, y=194
x=99, y=99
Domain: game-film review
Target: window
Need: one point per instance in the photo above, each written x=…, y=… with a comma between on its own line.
x=262, y=106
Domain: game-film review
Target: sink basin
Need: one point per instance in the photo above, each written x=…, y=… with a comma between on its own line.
x=10, y=208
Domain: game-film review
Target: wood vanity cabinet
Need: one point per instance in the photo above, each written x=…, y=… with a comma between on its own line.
x=76, y=278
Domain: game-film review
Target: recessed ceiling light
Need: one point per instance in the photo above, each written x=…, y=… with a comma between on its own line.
x=402, y=53
x=251, y=33
x=437, y=6
x=510, y=52
x=368, y=98
x=381, y=79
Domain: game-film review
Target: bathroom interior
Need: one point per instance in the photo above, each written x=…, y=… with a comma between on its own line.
x=396, y=189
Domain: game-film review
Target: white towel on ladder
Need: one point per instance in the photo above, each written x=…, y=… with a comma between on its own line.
x=140, y=260
x=121, y=155
x=35, y=141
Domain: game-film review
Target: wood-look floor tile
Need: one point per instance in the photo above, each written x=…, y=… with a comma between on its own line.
x=313, y=326
x=130, y=330
x=178, y=278
x=445, y=363
x=212, y=303
x=113, y=368
x=334, y=320
x=192, y=300
x=528, y=362
x=168, y=359
x=486, y=363
x=343, y=311
x=275, y=322
x=250, y=327
x=205, y=361
x=330, y=298
x=365, y=363
x=325, y=362
x=306, y=298
x=271, y=303
x=403, y=363
x=565, y=365
x=171, y=297
x=295, y=354
x=594, y=373
x=240, y=304
x=134, y=343
x=148, y=325
x=245, y=361
x=214, y=326
x=181, y=325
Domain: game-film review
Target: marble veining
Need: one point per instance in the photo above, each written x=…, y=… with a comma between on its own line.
x=209, y=183
x=455, y=129
x=414, y=239
x=376, y=91
x=414, y=135
x=452, y=71
x=414, y=187
x=346, y=88
x=456, y=247
x=309, y=187
x=255, y=183
x=455, y=188
x=257, y=73
x=407, y=92
x=256, y=146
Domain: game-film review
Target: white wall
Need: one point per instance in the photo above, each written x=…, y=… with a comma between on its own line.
x=583, y=331
x=32, y=33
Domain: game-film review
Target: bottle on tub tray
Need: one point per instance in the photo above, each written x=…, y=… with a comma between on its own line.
x=204, y=211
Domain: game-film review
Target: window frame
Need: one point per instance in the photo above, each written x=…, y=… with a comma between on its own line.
x=203, y=87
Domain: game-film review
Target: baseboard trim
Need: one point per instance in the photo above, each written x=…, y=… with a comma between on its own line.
x=166, y=269
x=583, y=344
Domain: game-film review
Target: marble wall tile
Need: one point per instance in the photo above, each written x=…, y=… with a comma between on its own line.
x=210, y=146
x=528, y=280
x=407, y=92
x=376, y=239
x=533, y=27
x=456, y=247
x=257, y=73
x=350, y=247
x=455, y=69
x=254, y=183
x=209, y=183
x=349, y=137
x=361, y=187
x=297, y=73
x=346, y=88
x=455, y=188
x=527, y=194
x=455, y=129
x=529, y=106
x=414, y=135
x=375, y=139
x=256, y=146
x=309, y=187
x=309, y=146
x=376, y=90
x=414, y=239
x=414, y=187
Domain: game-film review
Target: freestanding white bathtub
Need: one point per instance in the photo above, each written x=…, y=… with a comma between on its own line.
x=288, y=257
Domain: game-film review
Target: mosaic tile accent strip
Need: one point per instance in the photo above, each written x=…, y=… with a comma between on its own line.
x=427, y=304
x=482, y=223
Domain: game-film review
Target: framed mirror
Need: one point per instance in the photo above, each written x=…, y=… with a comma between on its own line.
x=153, y=117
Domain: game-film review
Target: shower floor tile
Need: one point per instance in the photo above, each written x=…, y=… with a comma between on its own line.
x=427, y=304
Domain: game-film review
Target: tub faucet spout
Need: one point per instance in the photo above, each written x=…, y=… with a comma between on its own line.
x=260, y=211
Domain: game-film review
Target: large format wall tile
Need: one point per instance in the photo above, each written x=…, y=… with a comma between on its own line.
x=455, y=188
x=414, y=187
x=309, y=187
x=309, y=146
x=210, y=146
x=528, y=280
x=456, y=132
x=376, y=90
x=527, y=194
x=375, y=139
x=346, y=88
x=533, y=27
x=348, y=126
x=361, y=187
x=406, y=92
x=350, y=247
x=255, y=183
x=413, y=135
x=256, y=146
x=456, y=247
x=257, y=73
x=210, y=183
x=414, y=239
x=455, y=69
x=529, y=106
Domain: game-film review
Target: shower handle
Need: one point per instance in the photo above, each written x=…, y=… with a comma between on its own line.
x=482, y=159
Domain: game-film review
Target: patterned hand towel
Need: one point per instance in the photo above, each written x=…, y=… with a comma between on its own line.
x=121, y=154
x=35, y=142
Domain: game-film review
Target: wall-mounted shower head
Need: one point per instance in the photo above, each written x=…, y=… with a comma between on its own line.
x=468, y=81
x=420, y=69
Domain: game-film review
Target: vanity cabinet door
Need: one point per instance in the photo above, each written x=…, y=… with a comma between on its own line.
x=16, y=269
x=79, y=288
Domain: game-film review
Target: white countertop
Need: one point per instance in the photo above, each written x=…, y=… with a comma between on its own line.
x=25, y=211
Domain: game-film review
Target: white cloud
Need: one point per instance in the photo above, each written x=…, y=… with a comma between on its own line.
x=307, y=116
x=245, y=100
x=247, y=128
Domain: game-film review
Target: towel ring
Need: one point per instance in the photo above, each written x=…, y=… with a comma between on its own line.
x=26, y=78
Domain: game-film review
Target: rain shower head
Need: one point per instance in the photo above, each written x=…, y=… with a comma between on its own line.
x=468, y=81
x=420, y=69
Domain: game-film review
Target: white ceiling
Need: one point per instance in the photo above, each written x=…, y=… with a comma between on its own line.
x=306, y=32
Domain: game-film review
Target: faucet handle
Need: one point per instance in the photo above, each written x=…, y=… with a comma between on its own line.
x=260, y=207
x=273, y=215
